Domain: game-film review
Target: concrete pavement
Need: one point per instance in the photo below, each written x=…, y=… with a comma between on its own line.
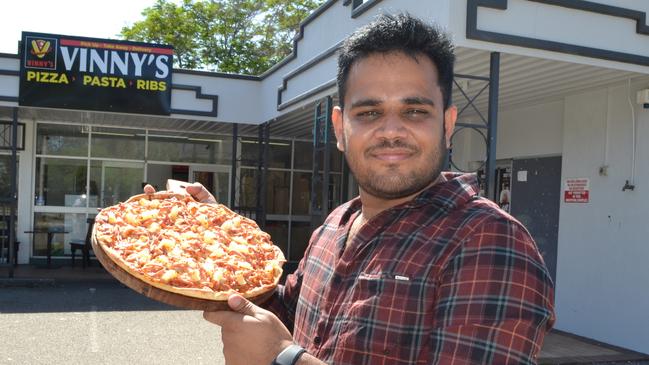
x=102, y=322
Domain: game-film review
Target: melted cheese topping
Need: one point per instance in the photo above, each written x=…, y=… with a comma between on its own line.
x=187, y=244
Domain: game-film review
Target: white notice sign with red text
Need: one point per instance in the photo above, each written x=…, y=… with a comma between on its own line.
x=576, y=190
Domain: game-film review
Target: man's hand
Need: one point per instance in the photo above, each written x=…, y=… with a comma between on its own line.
x=196, y=190
x=251, y=335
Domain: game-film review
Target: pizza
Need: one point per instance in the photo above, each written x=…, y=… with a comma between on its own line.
x=183, y=246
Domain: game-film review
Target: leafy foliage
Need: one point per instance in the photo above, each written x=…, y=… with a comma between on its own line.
x=236, y=36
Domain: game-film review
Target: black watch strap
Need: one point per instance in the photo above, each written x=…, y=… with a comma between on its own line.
x=289, y=355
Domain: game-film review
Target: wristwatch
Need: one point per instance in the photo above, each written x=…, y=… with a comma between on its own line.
x=289, y=355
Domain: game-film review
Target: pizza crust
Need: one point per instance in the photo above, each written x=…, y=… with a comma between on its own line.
x=101, y=242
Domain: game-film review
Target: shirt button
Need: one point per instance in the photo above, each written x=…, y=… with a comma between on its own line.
x=317, y=340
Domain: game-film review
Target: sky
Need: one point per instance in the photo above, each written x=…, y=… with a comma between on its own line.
x=89, y=18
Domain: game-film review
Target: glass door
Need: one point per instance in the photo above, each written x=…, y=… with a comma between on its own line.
x=215, y=178
x=112, y=182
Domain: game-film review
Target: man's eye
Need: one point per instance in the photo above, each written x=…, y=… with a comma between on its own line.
x=416, y=112
x=368, y=115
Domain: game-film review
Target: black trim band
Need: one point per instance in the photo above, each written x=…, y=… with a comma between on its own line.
x=199, y=95
x=312, y=62
x=472, y=31
x=9, y=55
x=307, y=95
x=298, y=37
x=216, y=74
x=367, y=5
x=10, y=73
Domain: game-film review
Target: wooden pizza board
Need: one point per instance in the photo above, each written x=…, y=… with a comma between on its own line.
x=167, y=297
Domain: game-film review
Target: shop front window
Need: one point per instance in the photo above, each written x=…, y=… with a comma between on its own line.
x=206, y=149
x=304, y=157
x=5, y=177
x=62, y=182
x=301, y=193
x=117, y=143
x=62, y=140
x=278, y=192
x=279, y=153
x=248, y=188
x=115, y=182
x=278, y=231
x=65, y=227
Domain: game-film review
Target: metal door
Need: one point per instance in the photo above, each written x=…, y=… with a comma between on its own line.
x=535, y=199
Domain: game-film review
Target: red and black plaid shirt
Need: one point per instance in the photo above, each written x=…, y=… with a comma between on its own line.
x=447, y=278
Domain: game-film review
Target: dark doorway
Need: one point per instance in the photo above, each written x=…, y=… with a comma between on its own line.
x=535, y=198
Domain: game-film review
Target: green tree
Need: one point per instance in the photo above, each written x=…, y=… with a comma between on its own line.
x=238, y=36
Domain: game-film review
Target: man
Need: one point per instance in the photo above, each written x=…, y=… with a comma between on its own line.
x=418, y=269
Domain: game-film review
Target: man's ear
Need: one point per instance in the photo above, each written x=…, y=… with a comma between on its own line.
x=450, y=117
x=337, y=120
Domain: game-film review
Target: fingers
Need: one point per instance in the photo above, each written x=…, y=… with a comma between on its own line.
x=199, y=193
x=240, y=304
x=219, y=318
x=148, y=189
x=240, y=307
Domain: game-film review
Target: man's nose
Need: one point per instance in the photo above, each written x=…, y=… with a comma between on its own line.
x=391, y=127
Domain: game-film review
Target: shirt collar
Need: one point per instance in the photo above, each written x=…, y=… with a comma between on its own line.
x=452, y=191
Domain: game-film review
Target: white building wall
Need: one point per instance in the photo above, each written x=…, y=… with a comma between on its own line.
x=530, y=131
x=239, y=100
x=559, y=24
x=524, y=131
x=326, y=31
x=602, y=271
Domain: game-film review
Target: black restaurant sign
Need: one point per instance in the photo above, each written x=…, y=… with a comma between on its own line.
x=68, y=72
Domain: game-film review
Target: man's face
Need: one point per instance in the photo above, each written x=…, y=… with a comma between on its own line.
x=392, y=128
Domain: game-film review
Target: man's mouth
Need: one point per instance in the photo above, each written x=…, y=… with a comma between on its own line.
x=391, y=154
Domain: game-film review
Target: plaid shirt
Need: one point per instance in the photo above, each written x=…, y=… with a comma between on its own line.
x=447, y=278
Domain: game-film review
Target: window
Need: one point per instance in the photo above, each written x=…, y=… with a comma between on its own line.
x=278, y=196
x=62, y=182
x=117, y=143
x=5, y=177
x=190, y=148
x=304, y=157
x=114, y=182
x=301, y=193
x=278, y=231
x=70, y=226
x=279, y=153
x=62, y=140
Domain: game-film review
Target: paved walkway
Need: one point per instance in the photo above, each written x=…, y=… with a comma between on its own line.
x=74, y=315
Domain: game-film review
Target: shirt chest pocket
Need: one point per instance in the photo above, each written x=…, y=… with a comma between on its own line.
x=389, y=314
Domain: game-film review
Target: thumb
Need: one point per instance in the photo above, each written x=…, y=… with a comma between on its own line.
x=240, y=304
x=200, y=193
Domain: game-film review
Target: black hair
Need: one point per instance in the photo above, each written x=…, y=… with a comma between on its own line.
x=398, y=33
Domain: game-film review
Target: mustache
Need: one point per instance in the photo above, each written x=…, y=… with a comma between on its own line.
x=391, y=144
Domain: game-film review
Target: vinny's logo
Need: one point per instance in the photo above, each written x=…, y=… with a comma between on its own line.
x=40, y=52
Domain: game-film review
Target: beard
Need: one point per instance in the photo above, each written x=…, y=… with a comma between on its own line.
x=396, y=181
